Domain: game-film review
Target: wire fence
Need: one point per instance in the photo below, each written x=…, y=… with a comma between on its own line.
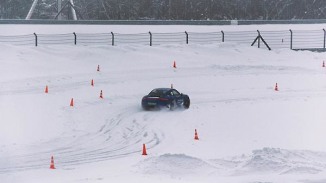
x=44, y=39
x=205, y=38
x=90, y=39
x=18, y=40
x=169, y=38
x=277, y=39
x=292, y=39
x=142, y=38
x=311, y=39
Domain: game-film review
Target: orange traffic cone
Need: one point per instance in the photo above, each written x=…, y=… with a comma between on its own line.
x=101, y=94
x=196, y=135
x=174, y=65
x=92, y=82
x=323, y=63
x=276, y=87
x=46, y=89
x=52, y=163
x=72, y=102
x=98, y=68
x=144, y=150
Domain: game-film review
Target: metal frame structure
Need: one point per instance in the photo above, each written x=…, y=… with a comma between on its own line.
x=60, y=8
x=31, y=10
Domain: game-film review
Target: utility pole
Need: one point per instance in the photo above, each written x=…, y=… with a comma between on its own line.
x=31, y=11
x=72, y=8
x=170, y=9
x=59, y=9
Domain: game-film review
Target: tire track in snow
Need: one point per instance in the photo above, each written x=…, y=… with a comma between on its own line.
x=120, y=136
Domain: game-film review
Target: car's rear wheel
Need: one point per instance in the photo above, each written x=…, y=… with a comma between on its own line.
x=145, y=108
x=172, y=105
x=186, y=103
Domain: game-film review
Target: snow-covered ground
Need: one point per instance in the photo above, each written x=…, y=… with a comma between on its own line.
x=248, y=132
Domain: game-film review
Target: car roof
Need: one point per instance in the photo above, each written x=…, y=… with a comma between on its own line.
x=162, y=89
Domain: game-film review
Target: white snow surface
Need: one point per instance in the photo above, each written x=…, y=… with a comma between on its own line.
x=248, y=132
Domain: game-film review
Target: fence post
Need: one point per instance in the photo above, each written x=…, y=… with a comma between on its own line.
x=291, y=39
x=222, y=36
x=259, y=36
x=75, y=37
x=112, y=38
x=35, y=39
x=324, y=37
x=150, y=38
x=187, y=37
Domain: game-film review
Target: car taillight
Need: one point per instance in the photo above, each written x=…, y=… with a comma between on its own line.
x=163, y=99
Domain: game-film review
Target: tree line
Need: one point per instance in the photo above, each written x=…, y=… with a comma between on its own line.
x=169, y=9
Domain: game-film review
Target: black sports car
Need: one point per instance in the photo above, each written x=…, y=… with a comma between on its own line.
x=165, y=98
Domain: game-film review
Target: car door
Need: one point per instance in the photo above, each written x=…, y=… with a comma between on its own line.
x=177, y=96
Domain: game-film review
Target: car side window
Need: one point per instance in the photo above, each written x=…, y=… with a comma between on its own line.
x=175, y=93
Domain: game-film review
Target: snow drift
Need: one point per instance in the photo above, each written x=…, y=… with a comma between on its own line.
x=248, y=131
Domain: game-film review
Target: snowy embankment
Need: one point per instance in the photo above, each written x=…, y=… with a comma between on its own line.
x=248, y=132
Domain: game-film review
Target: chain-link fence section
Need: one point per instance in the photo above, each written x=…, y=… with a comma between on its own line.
x=292, y=39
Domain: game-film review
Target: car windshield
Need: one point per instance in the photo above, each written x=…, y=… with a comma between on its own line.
x=157, y=93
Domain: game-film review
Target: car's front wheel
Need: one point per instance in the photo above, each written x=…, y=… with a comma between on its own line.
x=186, y=103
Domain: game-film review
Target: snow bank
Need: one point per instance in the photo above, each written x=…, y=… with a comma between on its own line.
x=176, y=165
x=275, y=160
x=234, y=107
x=264, y=161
